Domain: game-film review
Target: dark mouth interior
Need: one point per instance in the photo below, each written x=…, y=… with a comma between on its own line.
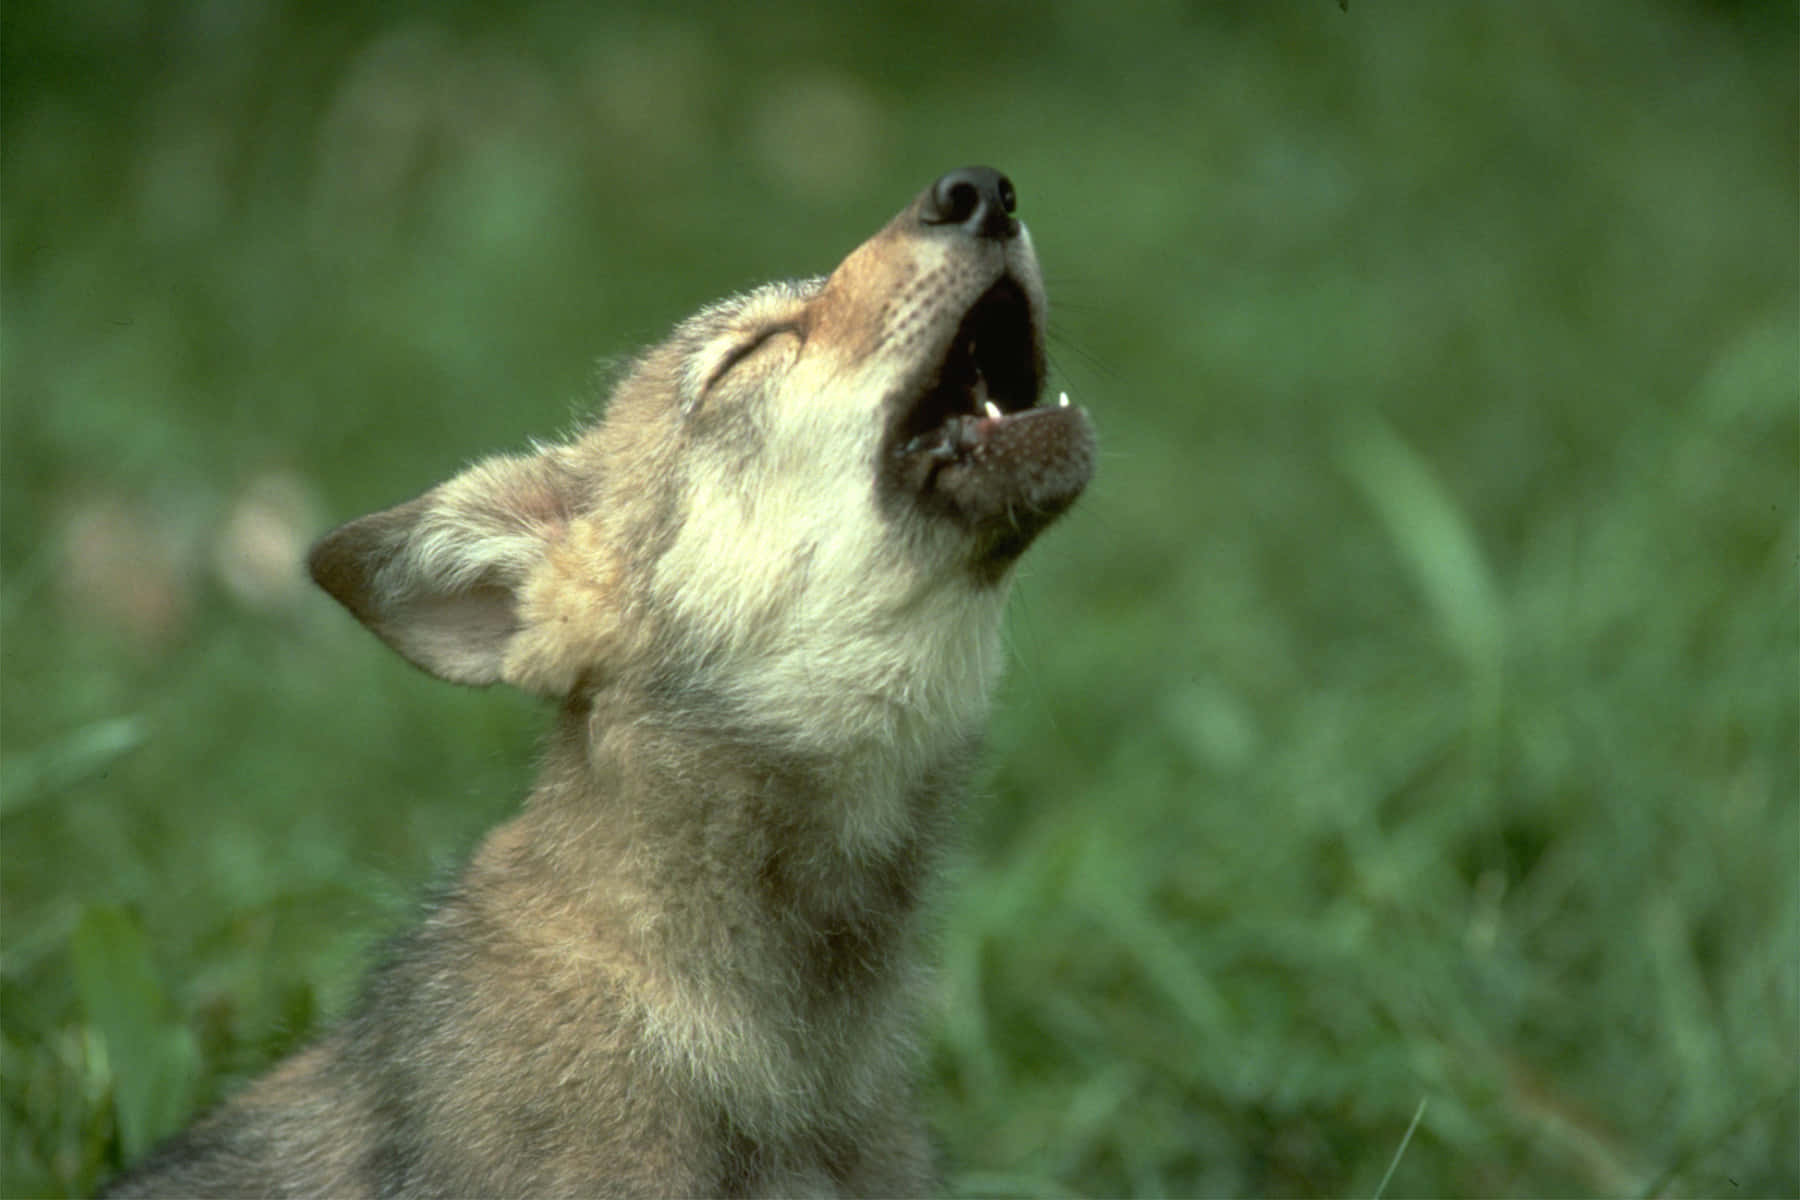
x=992, y=357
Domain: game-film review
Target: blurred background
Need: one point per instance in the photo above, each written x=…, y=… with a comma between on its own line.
x=1404, y=725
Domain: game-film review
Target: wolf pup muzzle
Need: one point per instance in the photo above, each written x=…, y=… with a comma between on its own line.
x=968, y=437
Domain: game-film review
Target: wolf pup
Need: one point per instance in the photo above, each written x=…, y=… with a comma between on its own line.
x=765, y=591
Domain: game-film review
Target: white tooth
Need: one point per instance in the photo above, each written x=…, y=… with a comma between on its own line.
x=993, y=410
x=1062, y=400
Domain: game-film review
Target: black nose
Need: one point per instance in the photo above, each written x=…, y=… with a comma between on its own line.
x=979, y=199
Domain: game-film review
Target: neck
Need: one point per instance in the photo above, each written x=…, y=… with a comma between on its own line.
x=677, y=833
x=710, y=876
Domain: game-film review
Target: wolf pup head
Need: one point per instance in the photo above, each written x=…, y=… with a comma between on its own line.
x=799, y=513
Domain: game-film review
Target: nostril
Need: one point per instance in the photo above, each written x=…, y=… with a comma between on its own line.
x=960, y=202
x=980, y=200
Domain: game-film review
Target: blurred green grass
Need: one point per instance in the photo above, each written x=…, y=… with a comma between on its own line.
x=1408, y=713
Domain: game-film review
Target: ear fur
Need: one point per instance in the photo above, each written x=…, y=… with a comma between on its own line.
x=439, y=578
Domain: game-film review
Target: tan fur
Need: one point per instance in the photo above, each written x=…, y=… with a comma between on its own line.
x=689, y=966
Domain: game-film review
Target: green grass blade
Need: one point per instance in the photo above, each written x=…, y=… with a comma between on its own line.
x=153, y=1061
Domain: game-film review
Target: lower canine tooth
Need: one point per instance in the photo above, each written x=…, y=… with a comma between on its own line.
x=993, y=410
x=1062, y=400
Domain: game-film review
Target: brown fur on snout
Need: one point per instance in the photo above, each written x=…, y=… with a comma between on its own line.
x=689, y=966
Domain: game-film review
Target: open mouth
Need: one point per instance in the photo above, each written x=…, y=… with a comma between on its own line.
x=993, y=367
x=974, y=444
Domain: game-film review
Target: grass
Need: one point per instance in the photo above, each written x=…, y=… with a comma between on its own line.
x=1405, y=724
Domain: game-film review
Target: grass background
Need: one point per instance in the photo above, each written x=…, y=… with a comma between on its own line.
x=1407, y=715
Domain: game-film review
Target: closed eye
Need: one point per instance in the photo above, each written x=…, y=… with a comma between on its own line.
x=741, y=352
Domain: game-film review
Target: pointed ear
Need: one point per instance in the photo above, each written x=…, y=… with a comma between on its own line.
x=439, y=578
